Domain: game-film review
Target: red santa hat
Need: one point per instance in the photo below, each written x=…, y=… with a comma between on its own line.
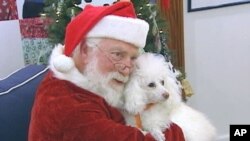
x=117, y=21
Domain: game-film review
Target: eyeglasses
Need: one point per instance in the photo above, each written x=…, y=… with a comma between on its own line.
x=115, y=57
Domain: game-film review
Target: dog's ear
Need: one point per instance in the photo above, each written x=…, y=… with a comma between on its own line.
x=137, y=66
x=134, y=96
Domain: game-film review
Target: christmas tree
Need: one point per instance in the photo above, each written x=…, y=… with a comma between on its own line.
x=60, y=12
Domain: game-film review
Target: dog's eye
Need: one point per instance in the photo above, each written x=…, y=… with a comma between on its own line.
x=151, y=85
x=162, y=82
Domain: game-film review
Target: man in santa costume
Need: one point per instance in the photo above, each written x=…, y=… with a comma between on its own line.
x=80, y=97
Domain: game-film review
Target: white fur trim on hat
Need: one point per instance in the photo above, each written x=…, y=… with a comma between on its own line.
x=131, y=30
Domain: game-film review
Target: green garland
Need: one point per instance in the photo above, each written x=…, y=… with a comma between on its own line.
x=157, y=36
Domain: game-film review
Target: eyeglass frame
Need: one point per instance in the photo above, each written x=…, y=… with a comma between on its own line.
x=116, y=62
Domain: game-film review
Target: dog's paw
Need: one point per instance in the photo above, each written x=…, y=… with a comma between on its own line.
x=158, y=135
x=143, y=132
x=134, y=107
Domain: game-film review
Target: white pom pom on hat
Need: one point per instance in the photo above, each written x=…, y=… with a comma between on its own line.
x=60, y=62
x=63, y=63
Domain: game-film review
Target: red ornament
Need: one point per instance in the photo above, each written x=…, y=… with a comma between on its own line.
x=164, y=4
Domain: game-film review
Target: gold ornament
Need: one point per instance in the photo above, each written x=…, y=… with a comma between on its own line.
x=188, y=91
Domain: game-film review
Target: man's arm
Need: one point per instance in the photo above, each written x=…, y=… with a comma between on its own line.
x=92, y=123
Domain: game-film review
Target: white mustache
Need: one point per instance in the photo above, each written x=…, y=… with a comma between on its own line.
x=119, y=77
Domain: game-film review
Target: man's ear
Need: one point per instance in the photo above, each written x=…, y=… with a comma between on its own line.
x=84, y=52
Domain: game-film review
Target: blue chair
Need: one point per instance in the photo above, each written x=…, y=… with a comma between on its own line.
x=17, y=93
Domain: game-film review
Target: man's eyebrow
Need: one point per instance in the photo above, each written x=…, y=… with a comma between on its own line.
x=121, y=50
x=117, y=48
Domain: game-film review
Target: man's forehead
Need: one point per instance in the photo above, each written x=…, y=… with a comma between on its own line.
x=121, y=46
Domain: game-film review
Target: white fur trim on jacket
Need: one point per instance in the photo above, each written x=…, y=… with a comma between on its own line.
x=130, y=30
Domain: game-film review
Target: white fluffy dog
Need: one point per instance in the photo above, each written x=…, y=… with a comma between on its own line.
x=154, y=82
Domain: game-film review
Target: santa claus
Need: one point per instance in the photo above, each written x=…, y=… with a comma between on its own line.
x=79, y=98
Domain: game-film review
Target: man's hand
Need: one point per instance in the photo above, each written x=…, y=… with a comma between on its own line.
x=174, y=133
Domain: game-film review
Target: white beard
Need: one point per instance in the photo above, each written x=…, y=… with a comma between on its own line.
x=99, y=84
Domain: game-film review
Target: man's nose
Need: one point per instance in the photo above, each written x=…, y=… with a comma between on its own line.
x=125, y=72
x=127, y=68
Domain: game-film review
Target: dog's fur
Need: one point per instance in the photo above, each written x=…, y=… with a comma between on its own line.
x=152, y=82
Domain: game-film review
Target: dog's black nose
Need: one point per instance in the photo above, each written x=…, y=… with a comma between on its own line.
x=165, y=95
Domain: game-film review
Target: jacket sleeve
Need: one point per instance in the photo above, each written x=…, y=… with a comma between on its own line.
x=89, y=122
x=92, y=123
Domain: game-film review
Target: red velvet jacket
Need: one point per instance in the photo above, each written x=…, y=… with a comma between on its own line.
x=65, y=112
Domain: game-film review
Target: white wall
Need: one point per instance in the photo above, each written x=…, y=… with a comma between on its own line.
x=217, y=62
x=11, y=55
x=99, y=2
x=20, y=8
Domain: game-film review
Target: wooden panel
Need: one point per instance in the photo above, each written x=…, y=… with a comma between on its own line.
x=174, y=16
